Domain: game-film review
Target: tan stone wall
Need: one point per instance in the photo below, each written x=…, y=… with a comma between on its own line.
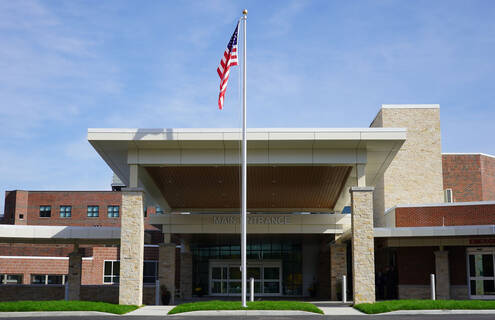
x=74, y=278
x=442, y=274
x=186, y=275
x=415, y=174
x=131, y=248
x=363, y=257
x=166, y=267
x=414, y=292
x=338, y=268
x=459, y=292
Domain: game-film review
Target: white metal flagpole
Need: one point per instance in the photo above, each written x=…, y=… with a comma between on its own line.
x=244, y=168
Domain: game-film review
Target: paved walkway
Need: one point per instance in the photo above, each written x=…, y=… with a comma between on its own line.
x=163, y=310
x=151, y=311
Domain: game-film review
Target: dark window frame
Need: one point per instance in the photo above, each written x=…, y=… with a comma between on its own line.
x=92, y=213
x=63, y=213
x=45, y=211
x=112, y=213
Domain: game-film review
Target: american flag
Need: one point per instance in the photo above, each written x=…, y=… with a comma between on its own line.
x=229, y=59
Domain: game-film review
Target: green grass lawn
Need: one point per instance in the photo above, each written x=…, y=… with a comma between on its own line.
x=236, y=305
x=62, y=305
x=393, y=305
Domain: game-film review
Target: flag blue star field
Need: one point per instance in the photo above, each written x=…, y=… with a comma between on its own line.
x=229, y=59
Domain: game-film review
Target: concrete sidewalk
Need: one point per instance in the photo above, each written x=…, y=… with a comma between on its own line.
x=163, y=310
x=151, y=311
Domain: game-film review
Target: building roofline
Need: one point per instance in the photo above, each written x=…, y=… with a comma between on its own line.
x=467, y=154
x=410, y=106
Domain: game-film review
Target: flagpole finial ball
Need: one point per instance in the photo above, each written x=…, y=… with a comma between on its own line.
x=244, y=11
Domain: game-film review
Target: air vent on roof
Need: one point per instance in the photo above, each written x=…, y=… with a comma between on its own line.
x=449, y=197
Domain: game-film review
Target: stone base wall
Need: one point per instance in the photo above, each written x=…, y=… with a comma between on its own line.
x=31, y=292
x=414, y=292
x=423, y=292
x=104, y=293
x=459, y=292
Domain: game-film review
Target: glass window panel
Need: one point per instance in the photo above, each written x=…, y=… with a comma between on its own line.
x=254, y=272
x=257, y=287
x=116, y=268
x=108, y=268
x=472, y=269
x=272, y=273
x=234, y=273
x=489, y=287
x=271, y=287
x=107, y=279
x=216, y=273
x=234, y=287
x=487, y=262
x=55, y=279
x=13, y=279
x=216, y=287
x=37, y=279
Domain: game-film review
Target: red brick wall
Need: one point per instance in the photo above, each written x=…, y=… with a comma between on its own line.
x=9, y=208
x=26, y=267
x=447, y=215
x=79, y=202
x=29, y=202
x=488, y=177
x=462, y=174
x=92, y=266
x=415, y=264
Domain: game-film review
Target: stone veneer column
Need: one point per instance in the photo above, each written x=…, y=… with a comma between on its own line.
x=186, y=272
x=442, y=274
x=363, y=251
x=166, y=268
x=131, y=248
x=74, y=277
x=338, y=268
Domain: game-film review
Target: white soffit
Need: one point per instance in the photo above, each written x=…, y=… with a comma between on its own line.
x=380, y=145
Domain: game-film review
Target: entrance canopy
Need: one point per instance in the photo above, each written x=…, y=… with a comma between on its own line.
x=197, y=170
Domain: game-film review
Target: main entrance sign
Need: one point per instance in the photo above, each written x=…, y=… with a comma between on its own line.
x=252, y=220
x=258, y=223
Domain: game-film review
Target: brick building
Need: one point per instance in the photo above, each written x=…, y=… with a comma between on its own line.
x=423, y=212
x=48, y=264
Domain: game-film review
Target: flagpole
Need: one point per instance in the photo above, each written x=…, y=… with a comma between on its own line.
x=244, y=167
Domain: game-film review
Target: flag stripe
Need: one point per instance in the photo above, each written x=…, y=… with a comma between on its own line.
x=229, y=59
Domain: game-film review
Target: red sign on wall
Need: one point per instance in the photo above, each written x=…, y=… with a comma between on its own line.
x=482, y=241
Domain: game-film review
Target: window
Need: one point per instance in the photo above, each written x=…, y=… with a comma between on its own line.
x=45, y=211
x=21, y=217
x=150, y=271
x=48, y=279
x=65, y=211
x=93, y=211
x=10, y=279
x=449, y=196
x=159, y=210
x=111, y=272
x=113, y=211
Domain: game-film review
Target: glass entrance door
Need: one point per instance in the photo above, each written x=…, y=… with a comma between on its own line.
x=481, y=263
x=225, y=277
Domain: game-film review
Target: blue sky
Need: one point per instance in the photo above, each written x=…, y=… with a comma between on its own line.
x=66, y=66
